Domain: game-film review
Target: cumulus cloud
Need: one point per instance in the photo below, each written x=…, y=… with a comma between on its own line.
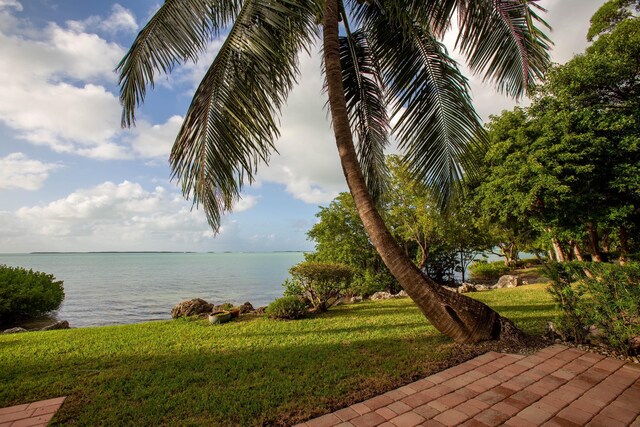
x=120, y=20
x=245, y=203
x=17, y=171
x=57, y=95
x=111, y=216
x=149, y=140
x=11, y=4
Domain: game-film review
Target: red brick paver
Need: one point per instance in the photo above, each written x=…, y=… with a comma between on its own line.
x=35, y=414
x=557, y=386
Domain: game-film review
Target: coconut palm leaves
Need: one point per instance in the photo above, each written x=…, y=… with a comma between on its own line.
x=367, y=107
x=179, y=31
x=500, y=39
x=392, y=64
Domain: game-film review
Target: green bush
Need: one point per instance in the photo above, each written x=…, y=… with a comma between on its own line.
x=603, y=295
x=319, y=282
x=287, y=308
x=27, y=293
x=488, y=270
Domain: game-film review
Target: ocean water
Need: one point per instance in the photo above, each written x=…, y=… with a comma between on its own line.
x=118, y=288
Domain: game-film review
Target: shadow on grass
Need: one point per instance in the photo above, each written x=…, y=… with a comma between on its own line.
x=280, y=385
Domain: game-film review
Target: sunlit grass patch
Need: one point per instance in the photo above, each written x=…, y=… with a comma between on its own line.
x=251, y=372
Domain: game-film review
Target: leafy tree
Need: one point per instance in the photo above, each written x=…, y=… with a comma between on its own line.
x=389, y=56
x=504, y=192
x=568, y=168
x=340, y=237
x=322, y=283
x=27, y=293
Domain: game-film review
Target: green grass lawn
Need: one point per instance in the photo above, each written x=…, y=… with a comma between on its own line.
x=254, y=371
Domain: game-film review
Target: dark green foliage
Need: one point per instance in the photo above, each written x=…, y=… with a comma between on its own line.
x=27, y=293
x=319, y=282
x=488, y=270
x=287, y=308
x=604, y=295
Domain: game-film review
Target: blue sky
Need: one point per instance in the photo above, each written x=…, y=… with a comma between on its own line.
x=72, y=180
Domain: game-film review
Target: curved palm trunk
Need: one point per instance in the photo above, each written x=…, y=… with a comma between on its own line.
x=461, y=318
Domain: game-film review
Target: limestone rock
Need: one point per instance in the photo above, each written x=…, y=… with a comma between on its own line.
x=380, y=295
x=355, y=299
x=191, y=307
x=246, y=308
x=58, y=325
x=466, y=287
x=261, y=310
x=401, y=294
x=508, y=281
x=14, y=330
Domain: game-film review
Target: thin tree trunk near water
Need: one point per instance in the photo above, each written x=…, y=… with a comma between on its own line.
x=460, y=317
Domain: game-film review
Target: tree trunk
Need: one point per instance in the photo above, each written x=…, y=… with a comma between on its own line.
x=557, y=248
x=593, y=243
x=624, y=245
x=577, y=252
x=461, y=318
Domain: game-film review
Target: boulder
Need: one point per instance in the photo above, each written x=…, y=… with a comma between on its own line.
x=508, y=281
x=226, y=306
x=14, y=330
x=634, y=343
x=466, y=287
x=401, y=294
x=192, y=307
x=261, y=310
x=246, y=308
x=380, y=295
x=481, y=287
x=58, y=325
x=355, y=299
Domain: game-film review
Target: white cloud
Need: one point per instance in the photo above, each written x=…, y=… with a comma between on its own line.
x=154, y=140
x=111, y=216
x=56, y=94
x=245, y=203
x=120, y=20
x=17, y=171
x=115, y=215
x=11, y=4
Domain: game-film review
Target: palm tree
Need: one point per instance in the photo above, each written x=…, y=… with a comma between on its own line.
x=386, y=61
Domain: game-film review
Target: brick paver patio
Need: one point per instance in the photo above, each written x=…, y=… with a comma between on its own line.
x=557, y=386
x=36, y=414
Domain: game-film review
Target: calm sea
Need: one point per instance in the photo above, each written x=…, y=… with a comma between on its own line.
x=114, y=288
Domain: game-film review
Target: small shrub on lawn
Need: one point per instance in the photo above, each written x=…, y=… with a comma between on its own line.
x=603, y=295
x=319, y=282
x=488, y=270
x=287, y=308
x=27, y=293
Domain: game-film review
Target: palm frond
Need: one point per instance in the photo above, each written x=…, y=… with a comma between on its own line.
x=367, y=108
x=232, y=124
x=502, y=39
x=437, y=123
x=179, y=31
x=436, y=16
